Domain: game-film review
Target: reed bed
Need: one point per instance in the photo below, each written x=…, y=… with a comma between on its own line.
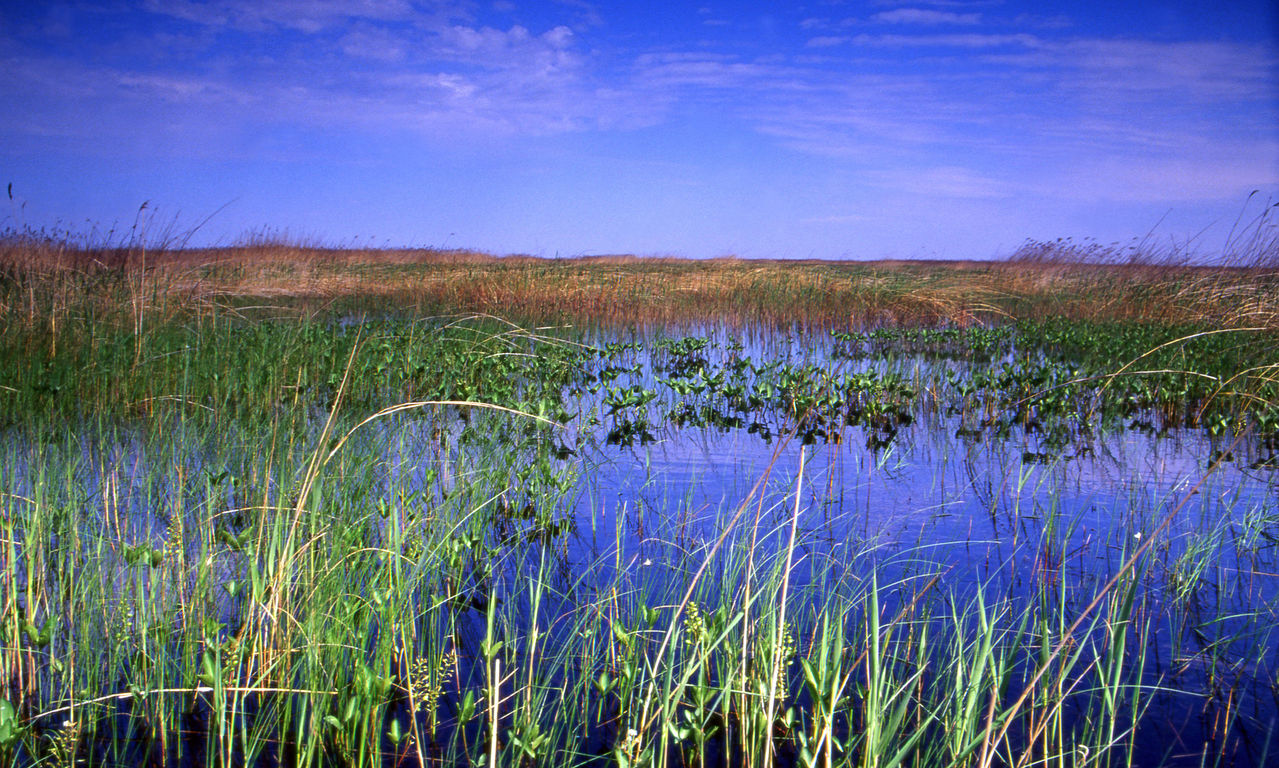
x=43, y=272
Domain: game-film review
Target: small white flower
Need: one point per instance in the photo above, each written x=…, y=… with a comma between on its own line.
x=1137, y=535
x=647, y=562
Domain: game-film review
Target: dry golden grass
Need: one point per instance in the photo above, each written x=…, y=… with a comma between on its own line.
x=633, y=290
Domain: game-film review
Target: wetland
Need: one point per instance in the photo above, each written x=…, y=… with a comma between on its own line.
x=274, y=505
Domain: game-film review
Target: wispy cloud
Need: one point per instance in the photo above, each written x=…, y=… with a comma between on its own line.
x=1150, y=119
x=386, y=66
x=925, y=17
x=949, y=181
x=1192, y=172
x=826, y=41
x=521, y=53
x=310, y=16
x=716, y=72
x=366, y=41
x=966, y=40
x=1208, y=71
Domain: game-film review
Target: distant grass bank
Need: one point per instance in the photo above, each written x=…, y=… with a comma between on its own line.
x=41, y=277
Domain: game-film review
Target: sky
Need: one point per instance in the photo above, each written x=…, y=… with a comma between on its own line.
x=825, y=129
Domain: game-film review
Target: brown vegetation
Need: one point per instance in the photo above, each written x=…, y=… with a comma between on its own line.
x=1040, y=279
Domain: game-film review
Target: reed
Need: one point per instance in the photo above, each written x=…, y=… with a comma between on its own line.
x=44, y=273
x=393, y=630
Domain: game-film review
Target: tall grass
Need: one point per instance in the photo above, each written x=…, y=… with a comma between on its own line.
x=42, y=273
x=235, y=597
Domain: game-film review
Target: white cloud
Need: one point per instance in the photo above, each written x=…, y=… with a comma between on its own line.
x=310, y=16
x=837, y=218
x=514, y=49
x=1148, y=120
x=1206, y=70
x=925, y=17
x=586, y=14
x=559, y=37
x=1191, y=171
x=707, y=71
x=1059, y=21
x=175, y=88
x=944, y=181
x=826, y=41
x=948, y=41
x=370, y=42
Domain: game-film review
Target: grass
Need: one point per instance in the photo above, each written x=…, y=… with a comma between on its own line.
x=343, y=612
x=1129, y=283
x=279, y=505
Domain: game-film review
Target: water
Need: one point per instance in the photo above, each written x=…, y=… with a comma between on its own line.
x=976, y=513
x=1005, y=514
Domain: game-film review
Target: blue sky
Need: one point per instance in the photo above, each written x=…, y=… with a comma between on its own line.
x=826, y=129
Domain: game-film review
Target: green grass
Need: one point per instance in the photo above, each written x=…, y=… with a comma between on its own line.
x=323, y=608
